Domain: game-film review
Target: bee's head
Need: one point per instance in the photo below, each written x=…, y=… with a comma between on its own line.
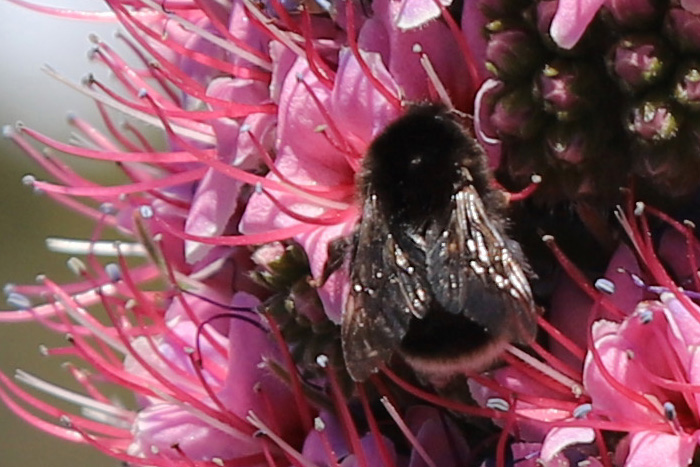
x=414, y=166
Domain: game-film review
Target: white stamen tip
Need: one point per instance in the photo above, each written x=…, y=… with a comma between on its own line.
x=18, y=301
x=605, y=285
x=582, y=410
x=536, y=178
x=667, y=297
x=88, y=80
x=65, y=421
x=155, y=450
x=322, y=360
x=258, y=188
x=638, y=208
x=114, y=272
x=76, y=266
x=94, y=38
x=40, y=278
x=319, y=424
x=496, y=403
x=8, y=288
x=217, y=461
x=146, y=211
x=547, y=238
x=43, y=350
x=417, y=48
x=8, y=131
x=670, y=411
x=29, y=180
x=108, y=208
x=142, y=93
x=245, y=128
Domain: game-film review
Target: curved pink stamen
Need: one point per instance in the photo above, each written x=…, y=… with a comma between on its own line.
x=67, y=13
x=341, y=408
x=501, y=447
x=581, y=281
x=626, y=392
x=242, y=175
x=393, y=100
x=239, y=240
x=54, y=430
x=120, y=190
x=337, y=134
x=373, y=427
x=317, y=65
x=561, y=339
x=156, y=158
x=52, y=411
x=441, y=401
x=326, y=219
x=302, y=404
x=224, y=31
x=138, y=28
x=336, y=192
x=555, y=362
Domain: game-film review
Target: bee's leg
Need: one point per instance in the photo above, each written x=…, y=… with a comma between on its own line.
x=338, y=250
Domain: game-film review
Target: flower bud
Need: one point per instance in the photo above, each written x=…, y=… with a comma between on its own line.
x=653, y=121
x=545, y=14
x=683, y=29
x=566, y=143
x=512, y=54
x=638, y=62
x=687, y=85
x=566, y=89
x=516, y=114
x=634, y=14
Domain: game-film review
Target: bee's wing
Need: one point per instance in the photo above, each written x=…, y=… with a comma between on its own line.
x=475, y=270
x=388, y=289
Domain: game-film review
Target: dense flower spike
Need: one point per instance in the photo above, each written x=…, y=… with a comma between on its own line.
x=218, y=316
x=598, y=91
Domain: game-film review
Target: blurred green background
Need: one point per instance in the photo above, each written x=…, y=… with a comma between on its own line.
x=29, y=40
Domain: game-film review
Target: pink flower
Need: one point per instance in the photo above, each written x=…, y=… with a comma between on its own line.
x=645, y=355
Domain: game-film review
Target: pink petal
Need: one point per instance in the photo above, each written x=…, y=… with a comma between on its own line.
x=633, y=336
x=526, y=454
x=653, y=449
x=558, y=439
x=413, y=14
x=213, y=205
x=397, y=50
x=473, y=21
x=161, y=426
x=571, y=20
x=438, y=435
x=359, y=109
